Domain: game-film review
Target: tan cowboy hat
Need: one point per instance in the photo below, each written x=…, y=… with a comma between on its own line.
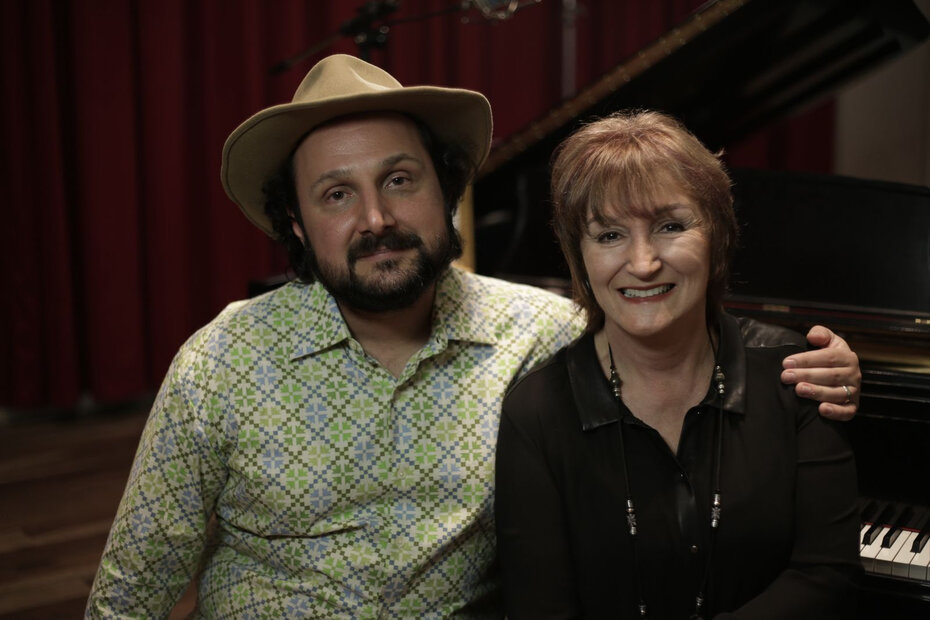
x=336, y=86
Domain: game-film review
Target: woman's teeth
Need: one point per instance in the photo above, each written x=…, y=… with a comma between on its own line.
x=649, y=292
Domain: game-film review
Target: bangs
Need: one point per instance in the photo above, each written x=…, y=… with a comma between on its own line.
x=633, y=187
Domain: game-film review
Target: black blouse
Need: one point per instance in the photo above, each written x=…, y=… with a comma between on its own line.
x=787, y=542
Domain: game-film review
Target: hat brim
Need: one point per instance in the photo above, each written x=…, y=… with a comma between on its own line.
x=257, y=148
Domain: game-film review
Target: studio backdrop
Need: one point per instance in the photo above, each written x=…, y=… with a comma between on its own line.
x=118, y=241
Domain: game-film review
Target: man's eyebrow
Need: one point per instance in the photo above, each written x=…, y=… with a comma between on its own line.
x=331, y=175
x=393, y=160
x=337, y=174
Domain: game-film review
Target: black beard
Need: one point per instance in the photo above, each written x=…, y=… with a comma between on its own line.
x=347, y=289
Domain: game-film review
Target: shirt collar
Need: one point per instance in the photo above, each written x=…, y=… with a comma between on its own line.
x=459, y=314
x=318, y=323
x=461, y=311
x=594, y=398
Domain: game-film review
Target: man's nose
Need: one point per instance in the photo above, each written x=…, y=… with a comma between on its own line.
x=376, y=214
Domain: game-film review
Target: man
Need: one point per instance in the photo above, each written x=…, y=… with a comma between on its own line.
x=339, y=432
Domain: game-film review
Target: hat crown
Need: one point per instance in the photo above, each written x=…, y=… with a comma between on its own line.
x=336, y=86
x=342, y=75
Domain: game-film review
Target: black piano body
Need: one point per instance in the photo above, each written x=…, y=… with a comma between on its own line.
x=855, y=255
x=850, y=254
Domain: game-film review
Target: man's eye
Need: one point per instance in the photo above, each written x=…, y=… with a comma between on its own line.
x=336, y=195
x=398, y=180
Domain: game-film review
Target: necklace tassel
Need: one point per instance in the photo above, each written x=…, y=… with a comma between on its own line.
x=631, y=516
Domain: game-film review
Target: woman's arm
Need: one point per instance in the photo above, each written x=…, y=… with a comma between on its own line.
x=819, y=581
x=532, y=540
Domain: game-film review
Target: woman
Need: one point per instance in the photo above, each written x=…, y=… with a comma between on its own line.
x=657, y=467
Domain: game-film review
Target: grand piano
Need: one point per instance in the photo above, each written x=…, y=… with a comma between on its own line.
x=733, y=67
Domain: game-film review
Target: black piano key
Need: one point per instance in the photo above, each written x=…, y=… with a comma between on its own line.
x=897, y=526
x=924, y=528
x=886, y=515
x=921, y=541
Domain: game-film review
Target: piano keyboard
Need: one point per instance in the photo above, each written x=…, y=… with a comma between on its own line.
x=894, y=540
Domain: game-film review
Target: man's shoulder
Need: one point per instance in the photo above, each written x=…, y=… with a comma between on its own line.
x=502, y=295
x=524, y=322
x=289, y=296
x=245, y=320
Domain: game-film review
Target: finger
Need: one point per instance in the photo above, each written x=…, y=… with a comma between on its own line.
x=843, y=396
x=820, y=377
x=840, y=413
x=820, y=336
x=821, y=358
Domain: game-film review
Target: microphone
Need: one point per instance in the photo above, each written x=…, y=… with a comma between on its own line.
x=361, y=28
x=368, y=14
x=500, y=9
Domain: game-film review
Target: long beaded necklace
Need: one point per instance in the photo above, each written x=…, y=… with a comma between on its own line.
x=716, y=503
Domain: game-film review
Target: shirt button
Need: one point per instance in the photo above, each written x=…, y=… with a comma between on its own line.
x=694, y=548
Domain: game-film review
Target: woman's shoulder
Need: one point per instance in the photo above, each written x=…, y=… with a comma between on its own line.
x=542, y=381
x=544, y=395
x=758, y=335
x=758, y=374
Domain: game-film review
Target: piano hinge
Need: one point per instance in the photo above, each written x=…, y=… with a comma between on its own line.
x=776, y=308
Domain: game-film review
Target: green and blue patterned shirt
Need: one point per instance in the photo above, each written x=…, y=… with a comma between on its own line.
x=339, y=491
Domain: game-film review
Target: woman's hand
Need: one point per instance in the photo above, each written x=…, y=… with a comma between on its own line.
x=829, y=374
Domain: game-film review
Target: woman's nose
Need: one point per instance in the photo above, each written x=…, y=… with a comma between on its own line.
x=644, y=259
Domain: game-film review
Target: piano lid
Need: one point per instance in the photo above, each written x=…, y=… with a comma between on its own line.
x=736, y=65
x=729, y=69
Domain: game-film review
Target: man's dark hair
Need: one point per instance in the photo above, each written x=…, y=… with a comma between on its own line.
x=454, y=170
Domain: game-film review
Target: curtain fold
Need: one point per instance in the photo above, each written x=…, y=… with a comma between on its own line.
x=119, y=240
x=39, y=343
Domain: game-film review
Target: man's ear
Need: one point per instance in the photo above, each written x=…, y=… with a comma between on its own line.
x=297, y=228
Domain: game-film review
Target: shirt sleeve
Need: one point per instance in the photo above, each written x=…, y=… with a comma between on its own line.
x=535, y=556
x=820, y=579
x=159, y=532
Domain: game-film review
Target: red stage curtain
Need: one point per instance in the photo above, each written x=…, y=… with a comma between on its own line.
x=118, y=239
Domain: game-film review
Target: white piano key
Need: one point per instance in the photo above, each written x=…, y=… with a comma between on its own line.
x=920, y=565
x=869, y=553
x=902, y=561
x=886, y=555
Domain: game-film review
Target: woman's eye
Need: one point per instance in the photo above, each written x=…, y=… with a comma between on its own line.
x=672, y=227
x=608, y=236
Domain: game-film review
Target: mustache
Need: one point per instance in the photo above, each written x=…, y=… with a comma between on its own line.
x=392, y=240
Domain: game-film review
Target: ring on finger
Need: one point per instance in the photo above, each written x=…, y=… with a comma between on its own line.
x=848, y=396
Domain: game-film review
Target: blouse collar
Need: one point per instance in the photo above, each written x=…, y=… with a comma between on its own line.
x=595, y=401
